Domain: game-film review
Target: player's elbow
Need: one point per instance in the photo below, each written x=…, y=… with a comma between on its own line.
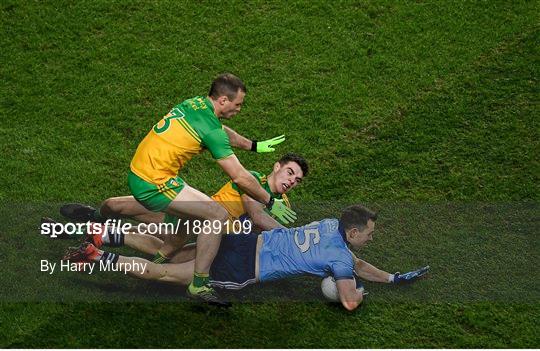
x=351, y=305
x=241, y=178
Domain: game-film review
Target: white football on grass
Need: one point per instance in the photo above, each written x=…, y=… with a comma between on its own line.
x=330, y=291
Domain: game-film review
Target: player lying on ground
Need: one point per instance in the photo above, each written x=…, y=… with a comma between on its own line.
x=287, y=173
x=319, y=248
x=238, y=205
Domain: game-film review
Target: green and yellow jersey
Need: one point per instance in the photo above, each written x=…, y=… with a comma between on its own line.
x=229, y=196
x=187, y=130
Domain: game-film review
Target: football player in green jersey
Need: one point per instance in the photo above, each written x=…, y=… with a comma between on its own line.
x=287, y=173
x=187, y=130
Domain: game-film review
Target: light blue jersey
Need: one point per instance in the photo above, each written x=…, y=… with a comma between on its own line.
x=317, y=248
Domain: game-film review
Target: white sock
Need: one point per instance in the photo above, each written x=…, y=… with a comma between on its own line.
x=105, y=236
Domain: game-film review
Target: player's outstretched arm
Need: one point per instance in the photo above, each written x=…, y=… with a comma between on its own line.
x=267, y=145
x=241, y=142
x=409, y=277
x=249, y=184
x=245, y=180
x=258, y=215
x=369, y=272
x=349, y=296
x=238, y=141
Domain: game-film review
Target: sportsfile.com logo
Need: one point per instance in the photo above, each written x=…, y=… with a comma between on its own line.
x=56, y=229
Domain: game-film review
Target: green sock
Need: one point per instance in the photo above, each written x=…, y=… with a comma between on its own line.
x=200, y=279
x=160, y=258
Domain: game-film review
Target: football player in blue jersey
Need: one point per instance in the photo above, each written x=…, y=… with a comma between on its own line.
x=319, y=248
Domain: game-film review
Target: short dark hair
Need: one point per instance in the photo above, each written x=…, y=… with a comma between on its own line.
x=226, y=84
x=356, y=216
x=290, y=157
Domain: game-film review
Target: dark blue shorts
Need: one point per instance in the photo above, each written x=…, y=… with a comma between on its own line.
x=234, y=265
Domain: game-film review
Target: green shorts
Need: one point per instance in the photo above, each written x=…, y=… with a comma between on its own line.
x=155, y=197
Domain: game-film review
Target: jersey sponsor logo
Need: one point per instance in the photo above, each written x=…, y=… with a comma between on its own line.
x=198, y=103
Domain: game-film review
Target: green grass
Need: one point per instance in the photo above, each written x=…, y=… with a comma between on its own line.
x=428, y=111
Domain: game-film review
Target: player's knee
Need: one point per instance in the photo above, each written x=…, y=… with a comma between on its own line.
x=218, y=213
x=113, y=206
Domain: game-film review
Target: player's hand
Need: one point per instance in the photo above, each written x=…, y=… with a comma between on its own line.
x=284, y=214
x=268, y=145
x=411, y=276
x=360, y=287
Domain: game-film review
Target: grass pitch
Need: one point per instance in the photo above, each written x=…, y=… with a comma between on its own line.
x=426, y=111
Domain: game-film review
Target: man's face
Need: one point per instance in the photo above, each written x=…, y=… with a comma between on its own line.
x=359, y=238
x=230, y=108
x=286, y=176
